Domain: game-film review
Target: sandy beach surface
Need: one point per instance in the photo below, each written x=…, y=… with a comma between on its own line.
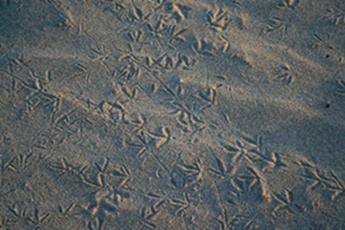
x=172, y=114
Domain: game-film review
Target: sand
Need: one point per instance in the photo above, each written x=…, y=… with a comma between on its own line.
x=172, y=114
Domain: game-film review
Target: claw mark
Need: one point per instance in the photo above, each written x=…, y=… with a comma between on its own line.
x=285, y=75
x=323, y=41
x=277, y=24
x=341, y=87
x=219, y=19
x=336, y=15
x=291, y=4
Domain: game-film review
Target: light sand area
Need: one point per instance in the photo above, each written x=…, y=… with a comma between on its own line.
x=172, y=114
